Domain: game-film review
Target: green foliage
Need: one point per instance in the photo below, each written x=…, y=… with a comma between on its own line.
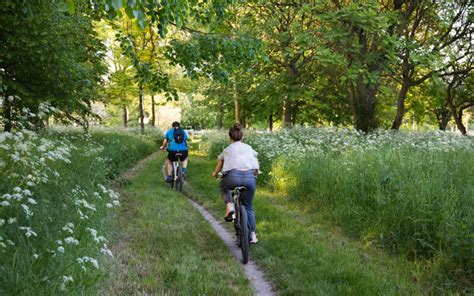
x=215, y=56
x=164, y=13
x=48, y=55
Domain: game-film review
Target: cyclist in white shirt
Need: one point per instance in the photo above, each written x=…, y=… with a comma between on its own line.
x=239, y=165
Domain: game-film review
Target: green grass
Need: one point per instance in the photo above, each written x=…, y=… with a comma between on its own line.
x=415, y=203
x=303, y=254
x=162, y=245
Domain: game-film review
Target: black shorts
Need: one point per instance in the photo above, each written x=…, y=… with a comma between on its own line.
x=175, y=155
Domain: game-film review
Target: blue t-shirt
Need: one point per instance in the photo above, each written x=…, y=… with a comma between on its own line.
x=173, y=146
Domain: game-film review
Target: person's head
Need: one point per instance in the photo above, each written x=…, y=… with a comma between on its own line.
x=235, y=132
x=175, y=124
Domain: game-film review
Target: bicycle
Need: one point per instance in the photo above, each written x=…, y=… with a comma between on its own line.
x=177, y=174
x=240, y=220
x=177, y=178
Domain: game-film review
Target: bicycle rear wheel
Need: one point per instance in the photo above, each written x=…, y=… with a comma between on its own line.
x=172, y=179
x=244, y=234
x=179, y=180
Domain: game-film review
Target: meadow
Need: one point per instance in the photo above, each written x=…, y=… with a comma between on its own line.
x=411, y=194
x=55, y=199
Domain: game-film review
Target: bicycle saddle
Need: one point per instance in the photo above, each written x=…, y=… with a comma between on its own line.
x=241, y=189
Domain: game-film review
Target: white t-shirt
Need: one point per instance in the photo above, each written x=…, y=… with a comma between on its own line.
x=239, y=156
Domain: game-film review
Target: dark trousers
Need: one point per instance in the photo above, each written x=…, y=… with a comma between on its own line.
x=236, y=178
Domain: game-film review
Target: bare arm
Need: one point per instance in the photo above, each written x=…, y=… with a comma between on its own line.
x=165, y=142
x=220, y=164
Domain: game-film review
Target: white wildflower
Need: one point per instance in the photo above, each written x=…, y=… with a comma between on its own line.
x=67, y=279
x=106, y=250
x=28, y=231
x=69, y=227
x=71, y=240
x=27, y=211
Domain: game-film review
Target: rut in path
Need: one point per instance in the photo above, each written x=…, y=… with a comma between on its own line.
x=260, y=283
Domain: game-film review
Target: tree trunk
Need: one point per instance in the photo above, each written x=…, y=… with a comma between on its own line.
x=457, y=116
x=363, y=102
x=153, y=118
x=270, y=122
x=220, y=114
x=442, y=117
x=397, y=122
x=458, y=119
x=142, y=115
x=7, y=116
x=293, y=115
x=244, y=121
x=125, y=116
x=236, y=101
x=287, y=112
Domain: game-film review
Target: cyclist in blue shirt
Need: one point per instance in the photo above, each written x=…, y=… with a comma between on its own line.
x=176, y=137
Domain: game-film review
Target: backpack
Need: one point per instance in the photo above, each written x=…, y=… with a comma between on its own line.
x=178, y=135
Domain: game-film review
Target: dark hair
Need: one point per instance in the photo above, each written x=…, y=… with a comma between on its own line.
x=175, y=124
x=235, y=132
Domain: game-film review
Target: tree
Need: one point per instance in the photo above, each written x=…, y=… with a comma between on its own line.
x=56, y=40
x=221, y=56
x=48, y=56
x=429, y=30
x=363, y=36
x=459, y=96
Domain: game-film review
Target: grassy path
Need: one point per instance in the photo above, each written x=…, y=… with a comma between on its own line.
x=162, y=245
x=300, y=253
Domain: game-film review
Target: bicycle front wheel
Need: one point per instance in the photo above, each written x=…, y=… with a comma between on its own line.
x=244, y=234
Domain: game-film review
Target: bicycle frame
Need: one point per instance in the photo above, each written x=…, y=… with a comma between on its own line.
x=240, y=220
x=177, y=174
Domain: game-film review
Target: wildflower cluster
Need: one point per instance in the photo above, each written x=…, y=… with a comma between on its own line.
x=52, y=206
x=300, y=142
x=25, y=117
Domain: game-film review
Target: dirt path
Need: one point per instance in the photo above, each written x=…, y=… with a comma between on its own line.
x=133, y=171
x=260, y=283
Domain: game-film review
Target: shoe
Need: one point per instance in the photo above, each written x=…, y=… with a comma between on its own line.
x=229, y=211
x=253, y=238
x=169, y=179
